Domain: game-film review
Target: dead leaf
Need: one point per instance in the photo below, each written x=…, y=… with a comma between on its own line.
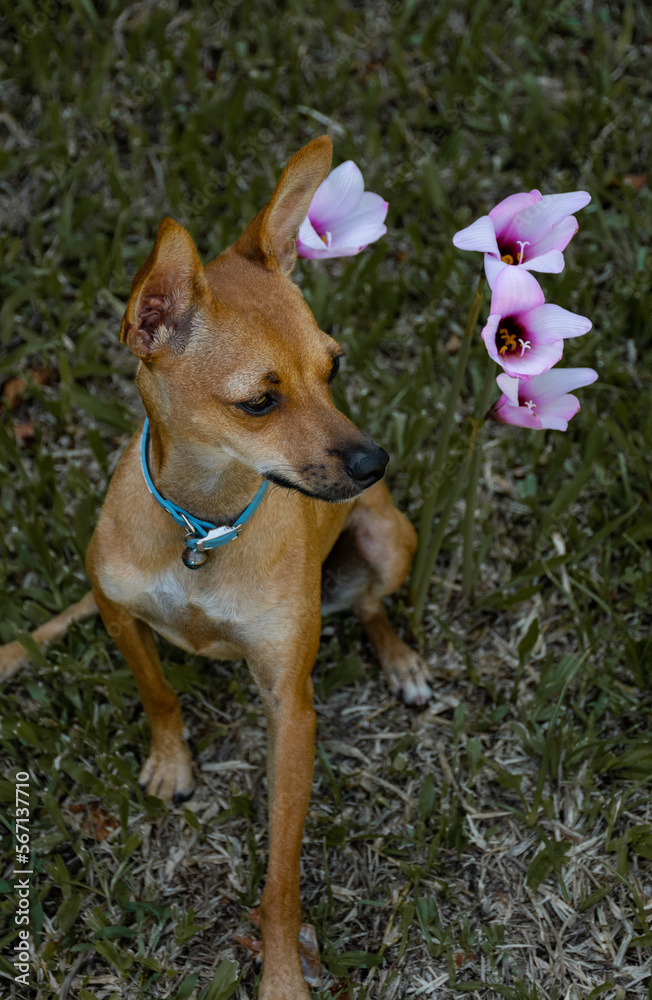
x=308, y=949
x=14, y=388
x=249, y=943
x=636, y=181
x=97, y=822
x=452, y=345
x=309, y=954
x=503, y=485
x=24, y=432
x=12, y=391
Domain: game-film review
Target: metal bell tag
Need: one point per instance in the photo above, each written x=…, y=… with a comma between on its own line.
x=193, y=559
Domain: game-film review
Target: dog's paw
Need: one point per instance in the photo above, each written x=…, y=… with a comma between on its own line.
x=12, y=658
x=169, y=776
x=407, y=675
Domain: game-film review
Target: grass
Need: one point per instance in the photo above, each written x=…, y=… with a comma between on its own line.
x=499, y=844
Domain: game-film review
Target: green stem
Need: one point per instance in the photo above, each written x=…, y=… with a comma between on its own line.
x=419, y=577
x=438, y=538
x=468, y=575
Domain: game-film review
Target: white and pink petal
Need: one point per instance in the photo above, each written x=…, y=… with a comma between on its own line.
x=489, y=335
x=551, y=262
x=540, y=358
x=503, y=213
x=556, y=414
x=536, y=221
x=550, y=321
x=480, y=235
x=493, y=265
x=557, y=239
x=337, y=196
x=364, y=225
x=509, y=387
x=518, y=416
x=309, y=242
x=558, y=382
x=515, y=290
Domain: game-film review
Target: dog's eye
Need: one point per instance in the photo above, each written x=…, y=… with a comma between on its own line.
x=261, y=404
x=334, y=369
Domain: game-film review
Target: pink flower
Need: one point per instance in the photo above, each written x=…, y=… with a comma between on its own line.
x=543, y=401
x=529, y=229
x=343, y=218
x=523, y=333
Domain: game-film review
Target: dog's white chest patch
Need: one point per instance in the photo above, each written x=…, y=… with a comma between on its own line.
x=190, y=608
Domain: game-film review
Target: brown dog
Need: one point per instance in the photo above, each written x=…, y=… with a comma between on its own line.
x=235, y=378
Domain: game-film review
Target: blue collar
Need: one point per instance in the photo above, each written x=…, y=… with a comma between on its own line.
x=201, y=535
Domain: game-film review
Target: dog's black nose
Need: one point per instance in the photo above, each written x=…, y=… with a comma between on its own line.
x=366, y=465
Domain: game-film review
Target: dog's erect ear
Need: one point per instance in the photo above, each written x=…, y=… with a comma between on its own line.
x=164, y=295
x=271, y=237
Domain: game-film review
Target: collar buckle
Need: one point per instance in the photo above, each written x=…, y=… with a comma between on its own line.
x=216, y=537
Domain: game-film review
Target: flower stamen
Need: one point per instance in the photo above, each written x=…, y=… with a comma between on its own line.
x=523, y=244
x=509, y=340
x=507, y=258
x=525, y=346
x=530, y=406
x=327, y=239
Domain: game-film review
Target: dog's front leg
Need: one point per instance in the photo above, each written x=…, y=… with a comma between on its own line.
x=286, y=691
x=168, y=769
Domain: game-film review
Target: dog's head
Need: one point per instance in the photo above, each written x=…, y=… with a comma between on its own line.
x=232, y=358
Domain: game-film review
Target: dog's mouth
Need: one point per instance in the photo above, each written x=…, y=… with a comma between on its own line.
x=330, y=493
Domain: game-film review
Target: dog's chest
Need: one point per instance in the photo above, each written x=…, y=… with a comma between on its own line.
x=195, y=609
